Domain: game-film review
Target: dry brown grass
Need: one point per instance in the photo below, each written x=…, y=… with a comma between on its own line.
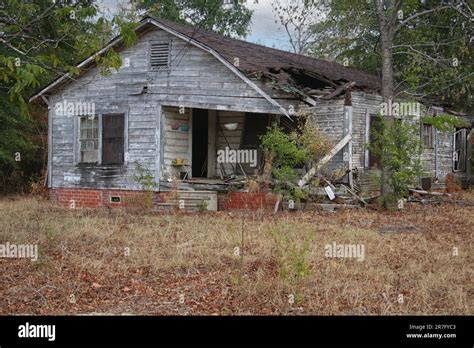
x=185, y=263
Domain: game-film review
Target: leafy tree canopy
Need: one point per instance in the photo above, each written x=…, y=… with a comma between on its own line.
x=230, y=18
x=432, y=48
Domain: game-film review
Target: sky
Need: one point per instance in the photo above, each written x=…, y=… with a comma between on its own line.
x=264, y=30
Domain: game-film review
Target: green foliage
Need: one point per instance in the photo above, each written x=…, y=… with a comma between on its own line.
x=284, y=151
x=292, y=256
x=39, y=41
x=202, y=206
x=16, y=175
x=284, y=148
x=312, y=139
x=398, y=146
x=289, y=151
x=144, y=177
x=432, y=54
x=213, y=15
x=445, y=123
x=146, y=180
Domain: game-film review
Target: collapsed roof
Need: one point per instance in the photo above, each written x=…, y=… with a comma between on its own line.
x=282, y=65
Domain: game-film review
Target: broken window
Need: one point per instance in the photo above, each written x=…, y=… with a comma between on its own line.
x=427, y=131
x=160, y=55
x=89, y=139
x=113, y=139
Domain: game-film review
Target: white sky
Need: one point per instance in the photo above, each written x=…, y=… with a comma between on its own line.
x=264, y=30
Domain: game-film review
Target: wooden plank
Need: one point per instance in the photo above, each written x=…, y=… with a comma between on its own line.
x=312, y=172
x=339, y=90
x=348, y=149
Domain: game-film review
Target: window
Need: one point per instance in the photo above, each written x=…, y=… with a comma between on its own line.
x=112, y=138
x=255, y=126
x=102, y=139
x=427, y=135
x=89, y=139
x=160, y=55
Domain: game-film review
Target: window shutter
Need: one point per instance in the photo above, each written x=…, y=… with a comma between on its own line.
x=160, y=55
x=113, y=139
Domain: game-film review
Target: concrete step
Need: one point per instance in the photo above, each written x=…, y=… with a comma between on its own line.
x=190, y=201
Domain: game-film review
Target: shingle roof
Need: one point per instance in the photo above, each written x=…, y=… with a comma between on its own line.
x=257, y=58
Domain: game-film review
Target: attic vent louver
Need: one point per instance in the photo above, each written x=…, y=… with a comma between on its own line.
x=160, y=55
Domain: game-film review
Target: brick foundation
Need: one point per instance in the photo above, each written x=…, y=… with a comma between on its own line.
x=247, y=201
x=90, y=198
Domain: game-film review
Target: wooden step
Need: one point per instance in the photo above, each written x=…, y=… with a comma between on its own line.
x=191, y=201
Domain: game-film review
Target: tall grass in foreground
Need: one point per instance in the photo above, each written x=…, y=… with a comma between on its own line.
x=125, y=261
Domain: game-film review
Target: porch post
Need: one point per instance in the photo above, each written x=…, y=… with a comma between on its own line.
x=211, y=144
x=347, y=154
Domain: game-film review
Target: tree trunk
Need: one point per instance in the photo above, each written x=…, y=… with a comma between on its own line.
x=387, y=13
x=387, y=96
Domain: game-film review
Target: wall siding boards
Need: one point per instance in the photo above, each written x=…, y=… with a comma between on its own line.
x=364, y=103
x=195, y=80
x=329, y=117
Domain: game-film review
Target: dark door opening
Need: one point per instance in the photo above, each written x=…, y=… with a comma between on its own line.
x=200, y=143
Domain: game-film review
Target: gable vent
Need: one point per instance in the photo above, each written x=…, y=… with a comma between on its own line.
x=160, y=55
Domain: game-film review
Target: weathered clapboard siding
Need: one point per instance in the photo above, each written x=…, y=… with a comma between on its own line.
x=234, y=138
x=328, y=115
x=196, y=79
x=368, y=103
x=363, y=104
x=441, y=153
x=176, y=141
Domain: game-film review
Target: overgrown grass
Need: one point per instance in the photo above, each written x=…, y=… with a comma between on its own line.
x=119, y=261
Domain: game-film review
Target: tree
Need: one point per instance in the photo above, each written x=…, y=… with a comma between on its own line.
x=398, y=26
x=40, y=41
x=431, y=45
x=229, y=18
x=298, y=18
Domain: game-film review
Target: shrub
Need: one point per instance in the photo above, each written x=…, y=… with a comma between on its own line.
x=397, y=144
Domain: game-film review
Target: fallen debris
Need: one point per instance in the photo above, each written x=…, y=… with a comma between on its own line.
x=430, y=193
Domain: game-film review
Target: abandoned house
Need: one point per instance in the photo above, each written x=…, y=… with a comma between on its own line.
x=183, y=97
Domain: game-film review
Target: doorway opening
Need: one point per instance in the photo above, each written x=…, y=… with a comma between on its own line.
x=200, y=135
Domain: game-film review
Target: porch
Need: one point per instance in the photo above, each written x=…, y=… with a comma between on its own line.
x=211, y=149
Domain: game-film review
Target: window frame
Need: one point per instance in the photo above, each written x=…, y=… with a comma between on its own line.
x=80, y=140
x=114, y=114
x=77, y=140
x=431, y=135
